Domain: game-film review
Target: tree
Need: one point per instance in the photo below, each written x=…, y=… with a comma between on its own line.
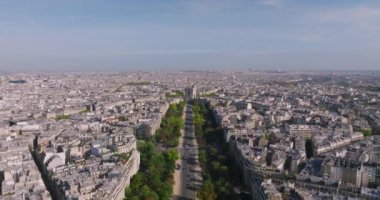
x=202, y=156
x=137, y=181
x=207, y=191
x=198, y=119
x=165, y=190
x=213, y=152
x=223, y=170
x=172, y=155
x=148, y=194
x=215, y=165
x=366, y=132
x=155, y=179
x=213, y=156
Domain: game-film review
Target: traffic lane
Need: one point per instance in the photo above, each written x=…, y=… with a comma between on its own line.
x=186, y=194
x=190, y=185
x=185, y=181
x=188, y=157
x=188, y=190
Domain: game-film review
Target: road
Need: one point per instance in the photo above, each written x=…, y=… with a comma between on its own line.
x=188, y=171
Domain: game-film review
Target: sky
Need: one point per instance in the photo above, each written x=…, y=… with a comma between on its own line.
x=119, y=35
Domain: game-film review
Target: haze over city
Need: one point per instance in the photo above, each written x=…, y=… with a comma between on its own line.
x=190, y=100
x=96, y=35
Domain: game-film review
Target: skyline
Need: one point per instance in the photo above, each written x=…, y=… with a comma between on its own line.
x=189, y=35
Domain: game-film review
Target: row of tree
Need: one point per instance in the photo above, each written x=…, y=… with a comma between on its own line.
x=220, y=174
x=175, y=94
x=155, y=178
x=170, y=129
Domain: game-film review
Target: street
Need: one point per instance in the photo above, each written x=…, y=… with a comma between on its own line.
x=188, y=171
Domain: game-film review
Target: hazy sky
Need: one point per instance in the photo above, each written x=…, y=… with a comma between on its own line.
x=189, y=34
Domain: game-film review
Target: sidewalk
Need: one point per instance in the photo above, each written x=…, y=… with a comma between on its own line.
x=177, y=173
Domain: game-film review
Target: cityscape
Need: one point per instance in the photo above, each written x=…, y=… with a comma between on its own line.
x=190, y=135
x=189, y=100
